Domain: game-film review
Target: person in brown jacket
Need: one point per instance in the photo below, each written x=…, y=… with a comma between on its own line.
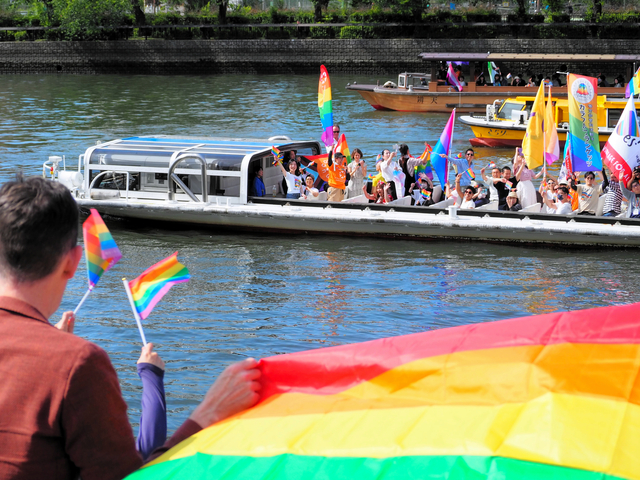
x=62, y=414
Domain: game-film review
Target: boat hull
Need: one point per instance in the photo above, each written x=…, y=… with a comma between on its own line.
x=442, y=99
x=381, y=221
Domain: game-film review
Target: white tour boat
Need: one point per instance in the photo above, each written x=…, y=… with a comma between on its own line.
x=205, y=181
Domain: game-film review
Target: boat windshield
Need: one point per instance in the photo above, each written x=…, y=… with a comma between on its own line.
x=507, y=108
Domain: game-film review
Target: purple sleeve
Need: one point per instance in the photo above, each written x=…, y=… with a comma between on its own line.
x=153, y=420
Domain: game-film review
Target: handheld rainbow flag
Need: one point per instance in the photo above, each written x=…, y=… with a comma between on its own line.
x=424, y=168
x=343, y=148
x=440, y=155
x=471, y=174
x=491, y=165
x=550, y=396
x=452, y=78
x=325, y=106
x=551, y=142
x=621, y=154
x=148, y=289
x=276, y=153
x=508, y=184
x=566, y=169
x=426, y=194
x=100, y=250
x=583, y=123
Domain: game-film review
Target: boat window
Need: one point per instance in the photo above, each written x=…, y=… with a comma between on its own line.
x=613, y=115
x=507, y=108
x=401, y=81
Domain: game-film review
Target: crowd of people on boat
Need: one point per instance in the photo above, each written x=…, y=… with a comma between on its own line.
x=398, y=175
x=527, y=79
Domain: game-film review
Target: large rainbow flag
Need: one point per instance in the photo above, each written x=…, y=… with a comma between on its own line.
x=621, y=153
x=583, y=123
x=324, y=104
x=100, y=248
x=155, y=282
x=440, y=154
x=554, y=396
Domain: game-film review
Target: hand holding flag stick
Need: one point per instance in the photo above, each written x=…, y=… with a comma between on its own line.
x=146, y=291
x=100, y=250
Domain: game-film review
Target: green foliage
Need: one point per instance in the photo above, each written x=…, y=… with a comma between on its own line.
x=555, y=6
x=83, y=19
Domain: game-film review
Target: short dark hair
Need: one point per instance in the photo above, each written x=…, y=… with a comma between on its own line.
x=589, y=173
x=504, y=169
x=38, y=225
x=564, y=189
x=404, y=149
x=472, y=188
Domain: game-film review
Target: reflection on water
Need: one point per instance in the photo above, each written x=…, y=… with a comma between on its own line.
x=266, y=295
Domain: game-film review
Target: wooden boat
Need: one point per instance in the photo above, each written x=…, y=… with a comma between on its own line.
x=505, y=123
x=421, y=92
x=205, y=182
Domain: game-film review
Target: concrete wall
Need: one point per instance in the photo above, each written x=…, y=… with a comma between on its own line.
x=369, y=57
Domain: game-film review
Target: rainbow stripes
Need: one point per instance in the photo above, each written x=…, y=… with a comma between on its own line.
x=550, y=396
x=343, y=148
x=100, y=249
x=621, y=153
x=583, y=123
x=324, y=104
x=155, y=282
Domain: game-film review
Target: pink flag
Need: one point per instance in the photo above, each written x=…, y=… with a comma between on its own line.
x=551, y=143
x=452, y=78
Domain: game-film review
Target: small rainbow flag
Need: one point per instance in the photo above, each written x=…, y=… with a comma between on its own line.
x=491, y=165
x=276, y=153
x=100, y=249
x=508, y=184
x=426, y=194
x=471, y=174
x=343, y=148
x=155, y=282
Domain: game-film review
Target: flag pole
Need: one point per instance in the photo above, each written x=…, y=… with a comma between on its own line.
x=135, y=312
x=82, y=300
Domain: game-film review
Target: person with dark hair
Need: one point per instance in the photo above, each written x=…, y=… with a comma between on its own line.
x=588, y=194
x=357, y=170
x=465, y=199
x=562, y=205
x=338, y=176
x=257, y=186
x=633, y=197
x=62, y=412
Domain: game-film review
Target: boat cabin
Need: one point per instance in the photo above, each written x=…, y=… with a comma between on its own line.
x=163, y=167
x=414, y=80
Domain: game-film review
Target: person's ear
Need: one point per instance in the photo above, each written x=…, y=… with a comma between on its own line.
x=71, y=262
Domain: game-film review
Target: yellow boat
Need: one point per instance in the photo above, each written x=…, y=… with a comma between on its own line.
x=505, y=122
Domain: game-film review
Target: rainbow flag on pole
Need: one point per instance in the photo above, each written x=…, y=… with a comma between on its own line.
x=424, y=168
x=343, y=148
x=155, y=282
x=440, y=155
x=100, y=249
x=553, y=396
x=324, y=104
x=633, y=87
x=583, y=123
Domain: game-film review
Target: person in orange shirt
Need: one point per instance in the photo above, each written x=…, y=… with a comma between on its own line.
x=338, y=177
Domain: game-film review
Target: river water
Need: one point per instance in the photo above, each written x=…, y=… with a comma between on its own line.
x=262, y=295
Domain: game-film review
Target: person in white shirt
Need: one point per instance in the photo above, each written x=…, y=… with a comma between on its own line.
x=465, y=200
x=563, y=204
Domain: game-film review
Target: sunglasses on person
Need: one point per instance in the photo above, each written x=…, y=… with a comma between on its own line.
x=590, y=177
x=470, y=192
x=336, y=131
x=469, y=154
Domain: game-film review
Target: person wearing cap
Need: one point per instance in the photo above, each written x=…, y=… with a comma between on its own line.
x=513, y=204
x=338, y=176
x=633, y=197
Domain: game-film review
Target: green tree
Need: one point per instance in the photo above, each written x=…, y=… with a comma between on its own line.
x=81, y=19
x=318, y=5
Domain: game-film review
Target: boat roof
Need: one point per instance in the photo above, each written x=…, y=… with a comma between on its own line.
x=528, y=57
x=214, y=145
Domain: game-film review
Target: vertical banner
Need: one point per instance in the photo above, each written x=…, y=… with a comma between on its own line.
x=325, y=106
x=442, y=150
x=551, y=143
x=583, y=123
x=622, y=151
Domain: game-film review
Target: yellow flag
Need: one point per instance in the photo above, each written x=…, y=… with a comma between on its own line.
x=533, y=143
x=551, y=144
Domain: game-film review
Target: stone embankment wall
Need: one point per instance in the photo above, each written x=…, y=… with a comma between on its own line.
x=365, y=57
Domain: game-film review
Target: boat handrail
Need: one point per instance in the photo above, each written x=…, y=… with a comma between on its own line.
x=174, y=180
x=53, y=164
x=279, y=138
x=104, y=174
